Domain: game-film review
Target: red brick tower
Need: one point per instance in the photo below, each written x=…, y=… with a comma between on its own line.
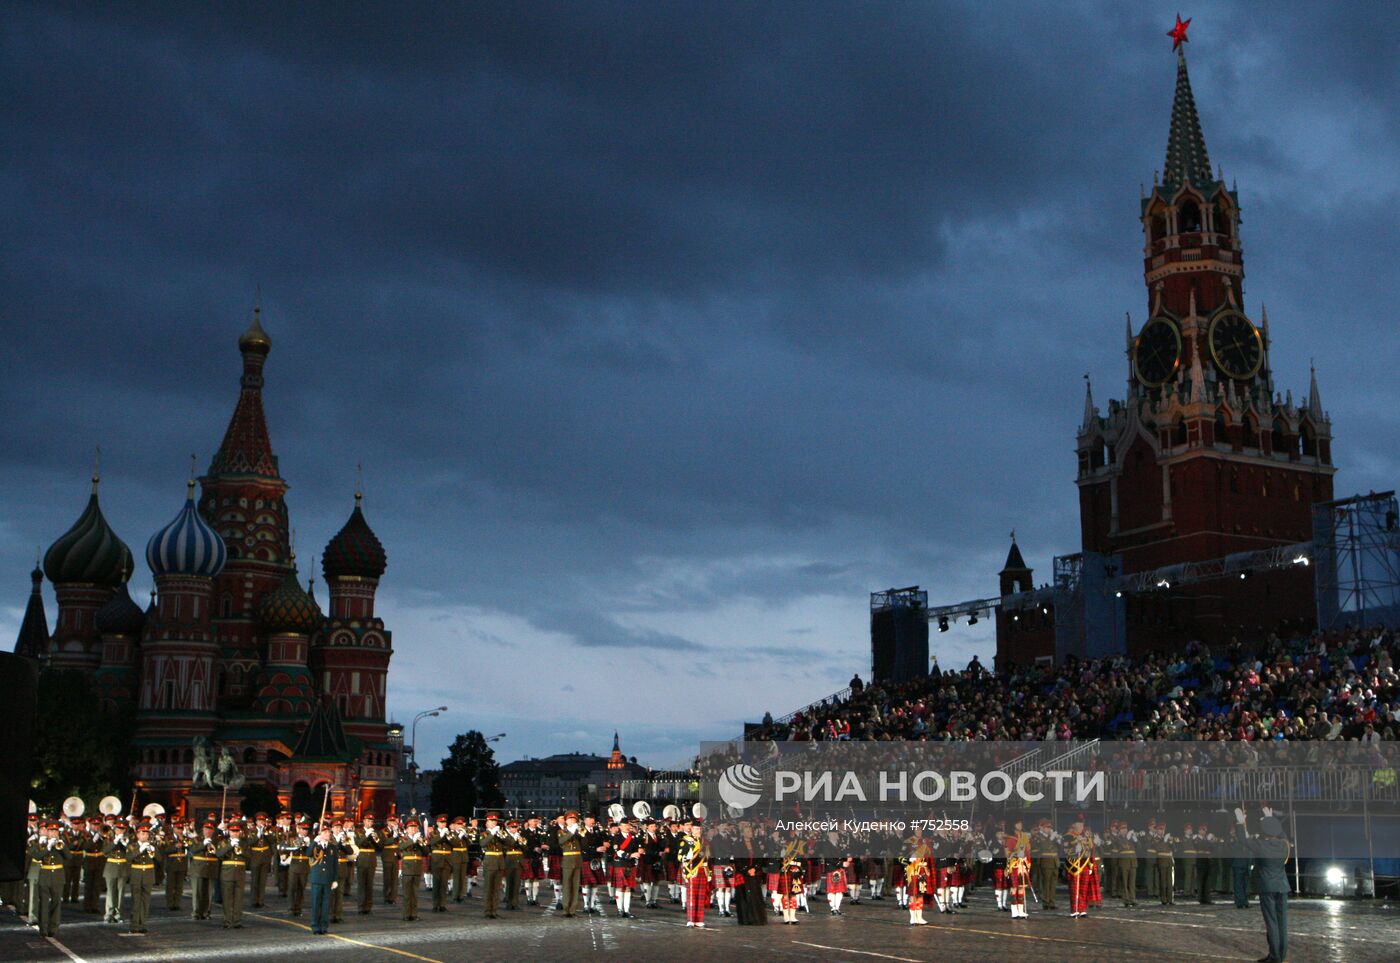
x=1204, y=457
x=242, y=497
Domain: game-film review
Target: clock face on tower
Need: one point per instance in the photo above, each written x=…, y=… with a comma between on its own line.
x=1157, y=352
x=1235, y=345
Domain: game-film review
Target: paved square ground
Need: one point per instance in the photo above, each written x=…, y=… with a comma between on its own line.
x=1336, y=932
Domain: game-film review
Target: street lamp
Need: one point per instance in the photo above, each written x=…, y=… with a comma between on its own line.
x=413, y=751
x=496, y=738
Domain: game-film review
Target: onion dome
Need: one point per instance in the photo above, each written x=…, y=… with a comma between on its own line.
x=355, y=550
x=89, y=552
x=187, y=546
x=288, y=608
x=255, y=338
x=121, y=616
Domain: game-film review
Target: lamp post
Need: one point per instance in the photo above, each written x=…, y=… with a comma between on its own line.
x=413, y=751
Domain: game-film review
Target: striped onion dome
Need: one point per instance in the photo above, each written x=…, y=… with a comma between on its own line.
x=288, y=608
x=89, y=552
x=187, y=546
x=121, y=616
x=355, y=549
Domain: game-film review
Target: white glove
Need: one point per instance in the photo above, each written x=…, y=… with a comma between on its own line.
x=335, y=885
x=1268, y=811
x=1239, y=816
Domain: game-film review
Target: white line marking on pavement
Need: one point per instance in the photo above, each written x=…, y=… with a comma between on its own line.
x=842, y=949
x=66, y=951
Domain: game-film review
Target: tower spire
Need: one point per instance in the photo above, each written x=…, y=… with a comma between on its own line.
x=1088, y=404
x=247, y=447
x=1187, y=159
x=1314, y=397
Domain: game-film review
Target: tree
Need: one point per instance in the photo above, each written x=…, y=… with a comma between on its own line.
x=469, y=777
x=79, y=748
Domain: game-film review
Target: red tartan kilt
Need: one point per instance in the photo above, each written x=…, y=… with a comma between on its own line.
x=836, y=881
x=717, y=878
x=473, y=867
x=530, y=869
x=697, y=896
x=812, y=870
x=673, y=871
x=955, y=876
x=1090, y=888
x=775, y=882
x=853, y=873
x=645, y=874
x=623, y=877
x=999, y=877
x=940, y=877
x=588, y=876
x=556, y=867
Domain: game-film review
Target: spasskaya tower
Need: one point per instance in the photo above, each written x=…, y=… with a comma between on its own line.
x=1204, y=457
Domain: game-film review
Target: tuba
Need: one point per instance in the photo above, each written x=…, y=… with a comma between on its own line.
x=641, y=809
x=672, y=811
x=616, y=812
x=110, y=806
x=73, y=807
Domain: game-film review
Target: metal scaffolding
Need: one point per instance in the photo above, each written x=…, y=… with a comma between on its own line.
x=1357, y=561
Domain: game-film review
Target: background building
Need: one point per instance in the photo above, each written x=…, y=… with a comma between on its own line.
x=232, y=649
x=567, y=781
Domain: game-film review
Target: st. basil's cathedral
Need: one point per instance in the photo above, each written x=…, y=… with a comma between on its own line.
x=232, y=648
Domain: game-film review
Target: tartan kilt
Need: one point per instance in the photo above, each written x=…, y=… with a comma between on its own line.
x=646, y=874
x=556, y=868
x=697, y=897
x=673, y=871
x=588, y=876
x=623, y=877
x=836, y=881
x=854, y=873
x=775, y=882
x=531, y=868
x=940, y=877
x=1089, y=886
x=717, y=878
x=473, y=866
x=812, y=870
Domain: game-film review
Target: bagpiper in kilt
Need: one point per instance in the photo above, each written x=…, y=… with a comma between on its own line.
x=695, y=871
x=1081, y=869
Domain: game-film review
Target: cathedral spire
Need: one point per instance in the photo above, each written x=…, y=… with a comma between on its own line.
x=1187, y=159
x=1089, y=414
x=34, y=630
x=247, y=447
x=1314, y=397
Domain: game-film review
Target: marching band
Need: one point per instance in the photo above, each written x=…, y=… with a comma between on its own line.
x=584, y=860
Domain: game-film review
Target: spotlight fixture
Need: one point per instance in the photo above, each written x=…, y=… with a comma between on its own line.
x=943, y=623
x=972, y=619
x=1245, y=574
x=1118, y=594
x=1164, y=584
x=1301, y=560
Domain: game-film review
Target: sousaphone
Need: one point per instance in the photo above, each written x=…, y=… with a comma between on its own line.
x=699, y=811
x=110, y=806
x=641, y=809
x=153, y=810
x=73, y=807
x=616, y=813
x=672, y=811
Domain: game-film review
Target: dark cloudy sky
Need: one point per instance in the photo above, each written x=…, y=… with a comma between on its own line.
x=665, y=332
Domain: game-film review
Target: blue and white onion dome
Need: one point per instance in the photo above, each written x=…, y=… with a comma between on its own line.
x=187, y=546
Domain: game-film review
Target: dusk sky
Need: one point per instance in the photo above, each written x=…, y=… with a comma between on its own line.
x=665, y=332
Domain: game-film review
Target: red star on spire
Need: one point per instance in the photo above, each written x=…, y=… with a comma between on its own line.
x=1178, y=33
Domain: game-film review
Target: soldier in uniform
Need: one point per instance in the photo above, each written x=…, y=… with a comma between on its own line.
x=174, y=852
x=31, y=875
x=283, y=835
x=1207, y=846
x=50, y=852
x=1151, y=840
x=1124, y=845
x=367, y=842
x=440, y=862
x=297, y=850
x=323, y=871
x=622, y=863
x=204, y=859
x=412, y=850
x=1045, y=856
x=84, y=871
x=342, y=837
x=233, y=871
x=145, y=856
x=1188, y=854
x=493, y=864
x=389, y=859
x=594, y=869
x=570, y=843
x=1081, y=869
x=116, y=870
x=516, y=847
x=457, y=861
x=1166, y=876
x=261, y=842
